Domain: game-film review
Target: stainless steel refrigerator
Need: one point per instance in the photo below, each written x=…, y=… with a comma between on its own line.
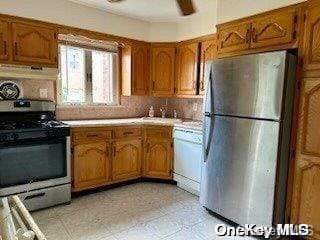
x=247, y=125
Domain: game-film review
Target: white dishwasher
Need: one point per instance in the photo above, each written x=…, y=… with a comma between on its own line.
x=187, y=159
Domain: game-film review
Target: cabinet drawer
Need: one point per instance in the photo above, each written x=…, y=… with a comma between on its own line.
x=127, y=132
x=162, y=132
x=92, y=136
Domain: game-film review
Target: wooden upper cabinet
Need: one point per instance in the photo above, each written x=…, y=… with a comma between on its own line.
x=126, y=161
x=4, y=40
x=208, y=54
x=276, y=28
x=233, y=37
x=34, y=43
x=140, y=69
x=162, y=69
x=270, y=31
x=91, y=165
x=187, y=69
x=312, y=38
x=158, y=158
x=306, y=192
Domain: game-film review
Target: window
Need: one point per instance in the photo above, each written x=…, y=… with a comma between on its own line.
x=87, y=76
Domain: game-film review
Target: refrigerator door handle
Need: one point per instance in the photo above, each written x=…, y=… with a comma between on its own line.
x=208, y=116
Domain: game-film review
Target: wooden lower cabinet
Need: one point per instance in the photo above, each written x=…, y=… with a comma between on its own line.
x=126, y=160
x=91, y=165
x=158, y=158
x=103, y=156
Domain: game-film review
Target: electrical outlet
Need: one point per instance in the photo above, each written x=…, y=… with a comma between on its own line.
x=43, y=93
x=195, y=107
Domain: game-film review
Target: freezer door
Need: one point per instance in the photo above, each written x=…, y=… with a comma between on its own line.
x=249, y=86
x=238, y=178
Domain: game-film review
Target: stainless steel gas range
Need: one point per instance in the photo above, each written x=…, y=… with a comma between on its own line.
x=34, y=154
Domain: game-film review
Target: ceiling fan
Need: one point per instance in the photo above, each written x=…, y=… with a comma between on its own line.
x=186, y=6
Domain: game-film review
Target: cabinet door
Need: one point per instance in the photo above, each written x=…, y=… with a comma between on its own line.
x=162, y=70
x=233, y=37
x=306, y=192
x=34, y=44
x=158, y=158
x=276, y=29
x=208, y=54
x=140, y=70
x=187, y=69
x=126, y=161
x=91, y=165
x=4, y=40
x=312, y=38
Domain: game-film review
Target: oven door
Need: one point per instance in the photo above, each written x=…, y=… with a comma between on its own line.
x=34, y=164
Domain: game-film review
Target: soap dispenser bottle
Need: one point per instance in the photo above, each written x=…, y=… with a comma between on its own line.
x=151, y=112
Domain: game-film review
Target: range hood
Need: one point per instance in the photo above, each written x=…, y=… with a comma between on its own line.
x=28, y=72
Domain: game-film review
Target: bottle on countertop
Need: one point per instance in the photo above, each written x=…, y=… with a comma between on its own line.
x=175, y=114
x=151, y=112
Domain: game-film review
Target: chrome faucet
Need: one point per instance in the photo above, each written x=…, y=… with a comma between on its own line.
x=163, y=113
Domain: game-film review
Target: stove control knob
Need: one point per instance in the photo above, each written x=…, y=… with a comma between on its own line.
x=3, y=137
x=15, y=136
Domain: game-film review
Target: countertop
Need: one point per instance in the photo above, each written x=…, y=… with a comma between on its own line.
x=195, y=125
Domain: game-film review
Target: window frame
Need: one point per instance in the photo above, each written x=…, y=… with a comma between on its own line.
x=88, y=82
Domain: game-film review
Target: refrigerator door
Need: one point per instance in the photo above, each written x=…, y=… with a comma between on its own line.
x=238, y=178
x=250, y=86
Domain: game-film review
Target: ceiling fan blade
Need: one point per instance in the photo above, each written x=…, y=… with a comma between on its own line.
x=113, y=1
x=186, y=7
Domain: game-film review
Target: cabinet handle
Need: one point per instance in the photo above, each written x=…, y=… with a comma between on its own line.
x=194, y=85
x=148, y=147
x=107, y=151
x=127, y=133
x=16, y=48
x=92, y=135
x=254, y=37
x=5, y=47
x=114, y=151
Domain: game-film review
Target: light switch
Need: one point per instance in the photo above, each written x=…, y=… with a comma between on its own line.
x=195, y=107
x=43, y=93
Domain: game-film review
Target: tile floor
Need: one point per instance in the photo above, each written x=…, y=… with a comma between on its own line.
x=141, y=211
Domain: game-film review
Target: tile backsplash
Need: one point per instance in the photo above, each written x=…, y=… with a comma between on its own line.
x=134, y=106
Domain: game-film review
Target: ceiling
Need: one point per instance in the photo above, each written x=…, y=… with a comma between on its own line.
x=147, y=10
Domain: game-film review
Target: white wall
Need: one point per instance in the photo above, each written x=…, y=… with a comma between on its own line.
x=76, y=15
x=233, y=9
x=163, y=32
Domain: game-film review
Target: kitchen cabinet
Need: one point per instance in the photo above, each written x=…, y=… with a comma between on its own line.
x=233, y=37
x=158, y=152
x=34, y=44
x=208, y=54
x=306, y=191
x=270, y=31
x=311, y=60
x=274, y=29
x=91, y=164
x=4, y=40
x=126, y=160
x=162, y=69
x=140, y=71
x=158, y=158
x=187, y=68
